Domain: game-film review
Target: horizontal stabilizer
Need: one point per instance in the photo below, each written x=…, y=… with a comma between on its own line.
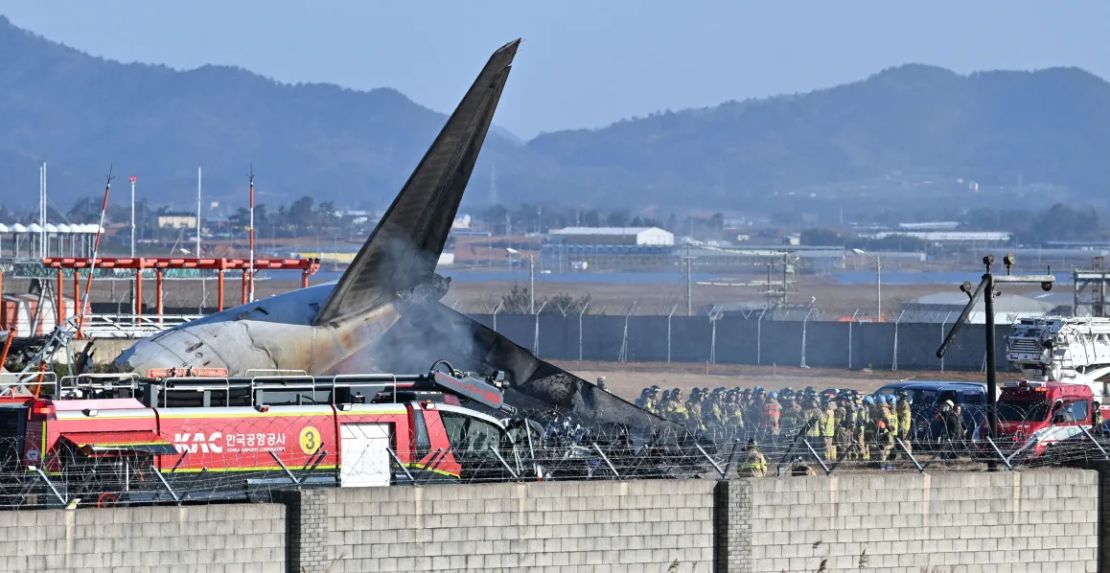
x=431, y=331
x=402, y=252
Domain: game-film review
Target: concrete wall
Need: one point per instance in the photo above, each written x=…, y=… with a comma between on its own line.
x=1031, y=520
x=748, y=341
x=594, y=526
x=216, y=538
x=1042, y=520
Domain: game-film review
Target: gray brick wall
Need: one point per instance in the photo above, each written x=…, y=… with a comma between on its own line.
x=217, y=538
x=1037, y=520
x=584, y=526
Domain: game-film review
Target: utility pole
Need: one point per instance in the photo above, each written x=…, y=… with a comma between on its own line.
x=689, y=286
x=132, y=179
x=250, y=291
x=42, y=213
x=770, y=300
x=197, y=253
x=879, y=287
x=785, y=280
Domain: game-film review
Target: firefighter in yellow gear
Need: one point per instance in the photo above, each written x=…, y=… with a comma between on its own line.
x=754, y=464
x=863, y=421
x=651, y=401
x=888, y=429
x=677, y=412
x=715, y=414
x=826, y=423
x=734, y=411
x=694, y=418
x=811, y=416
x=905, y=419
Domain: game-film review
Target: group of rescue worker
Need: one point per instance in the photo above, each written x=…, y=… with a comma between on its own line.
x=838, y=424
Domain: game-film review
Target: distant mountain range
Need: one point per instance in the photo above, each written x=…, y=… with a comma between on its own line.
x=912, y=134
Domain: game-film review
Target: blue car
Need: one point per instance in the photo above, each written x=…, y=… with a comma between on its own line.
x=926, y=398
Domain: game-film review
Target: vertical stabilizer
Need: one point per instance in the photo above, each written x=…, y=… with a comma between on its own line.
x=402, y=252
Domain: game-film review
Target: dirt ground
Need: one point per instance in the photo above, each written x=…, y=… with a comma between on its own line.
x=626, y=380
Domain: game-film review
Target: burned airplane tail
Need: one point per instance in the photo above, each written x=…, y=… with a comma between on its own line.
x=401, y=254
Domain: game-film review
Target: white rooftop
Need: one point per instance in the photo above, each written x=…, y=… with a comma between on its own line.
x=1006, y=302
x=603, y=230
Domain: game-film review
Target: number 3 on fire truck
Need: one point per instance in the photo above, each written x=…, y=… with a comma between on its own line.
x=310, y=440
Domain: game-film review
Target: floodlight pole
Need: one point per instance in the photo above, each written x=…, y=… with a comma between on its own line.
x=986, y=290
x=992, y=375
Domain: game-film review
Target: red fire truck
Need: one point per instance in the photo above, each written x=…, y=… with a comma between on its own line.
x=177, y=438
x=1038, y=415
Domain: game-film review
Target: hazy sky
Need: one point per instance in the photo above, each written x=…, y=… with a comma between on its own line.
x=582, y=64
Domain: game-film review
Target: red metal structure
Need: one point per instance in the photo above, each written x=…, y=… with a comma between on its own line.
x=308, y=267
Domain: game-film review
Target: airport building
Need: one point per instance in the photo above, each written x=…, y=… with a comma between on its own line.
x=607, y=248
x=635, y=236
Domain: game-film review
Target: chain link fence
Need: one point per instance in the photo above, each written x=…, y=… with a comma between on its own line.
x=253, y=458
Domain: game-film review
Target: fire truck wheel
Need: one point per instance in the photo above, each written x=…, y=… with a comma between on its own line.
x=107, y=499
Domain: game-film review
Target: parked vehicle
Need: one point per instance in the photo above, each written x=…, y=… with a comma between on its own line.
x=1039, y=415
x=144, y=440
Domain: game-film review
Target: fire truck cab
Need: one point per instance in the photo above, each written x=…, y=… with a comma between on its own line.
x=136, y=440
x=1042, y=414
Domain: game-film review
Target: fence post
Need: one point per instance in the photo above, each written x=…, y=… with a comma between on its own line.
x=894, y=359
x=805, y=323
x=496, y=310
x=622, y=356
x=669, y=315
x=583, y=311
x=850, y=321
x=713, y=318
x=759, y=337
x=942, y=325
x=536, y=333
